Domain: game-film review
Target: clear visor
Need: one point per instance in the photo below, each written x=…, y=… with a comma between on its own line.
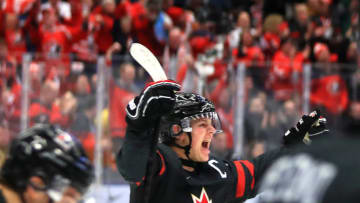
x=57, y=187
x=186, y=122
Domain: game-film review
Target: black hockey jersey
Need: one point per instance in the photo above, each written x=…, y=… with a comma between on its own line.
x=326, y=172
x=215, y=181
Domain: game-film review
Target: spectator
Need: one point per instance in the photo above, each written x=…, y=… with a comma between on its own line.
x=182, y=18
x=248, y=52
x=84, y=47
x=219, y=146
x=277, y=121
x=122, y=35
x=321, y=19
x=10, y=87
x=269, y=135
x=350, y=125
x=46, y=109
x=111, y=176
x=82, y=91
x=143, y=27
x=36, y=74
x=259, y=124
x=225, y=111
x=352, y=31
x=131, y=9
x=62, y=8
x=328, y=89
x=285, y=71
x=349, y=66
x=7, y=63
x=290, y=108
x=270, y=40
x=7, y=133
x=2, y=21
x=83, y=126
x=351, y=55
x=101, y=22
x=243, y=23
x=257, y=116
x=175, y=54
x=14, y=36
x=122, y=90
x=55, y=40
x=354, y=86
x=299, y=25
x=67, y=105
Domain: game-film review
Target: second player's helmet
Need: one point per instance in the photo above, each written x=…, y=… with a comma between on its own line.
x=51, y=154
x=188, y=107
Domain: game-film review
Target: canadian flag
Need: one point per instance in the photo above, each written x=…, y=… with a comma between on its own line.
x=203, y=197
x=17, y=6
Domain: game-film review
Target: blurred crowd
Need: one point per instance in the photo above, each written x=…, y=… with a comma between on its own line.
x=200, y=45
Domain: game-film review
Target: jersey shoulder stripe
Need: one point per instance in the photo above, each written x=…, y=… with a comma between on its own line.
x=241, y=176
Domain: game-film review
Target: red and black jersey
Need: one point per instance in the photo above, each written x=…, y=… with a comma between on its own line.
x=143, y=30
x=215, y=181
x=331, y=92
x=102, y=31
x=41, y=113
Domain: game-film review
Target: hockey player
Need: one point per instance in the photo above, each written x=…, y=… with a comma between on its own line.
x=45, y=165
x=183, y=171
x=327, y=172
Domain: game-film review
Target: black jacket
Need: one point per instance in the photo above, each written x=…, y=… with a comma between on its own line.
x=326, y=172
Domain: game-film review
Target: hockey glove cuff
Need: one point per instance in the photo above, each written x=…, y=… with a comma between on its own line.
x=318, y=130
x=295, y=135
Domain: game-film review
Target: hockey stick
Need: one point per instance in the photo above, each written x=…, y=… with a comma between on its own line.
x=148, y=61
x=152, y=66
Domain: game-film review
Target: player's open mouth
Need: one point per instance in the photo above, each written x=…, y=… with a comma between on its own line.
x=206, y=144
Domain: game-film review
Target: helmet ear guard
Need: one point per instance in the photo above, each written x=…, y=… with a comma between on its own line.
x=176, y=130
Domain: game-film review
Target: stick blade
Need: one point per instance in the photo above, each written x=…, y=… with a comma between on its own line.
x=148, y=61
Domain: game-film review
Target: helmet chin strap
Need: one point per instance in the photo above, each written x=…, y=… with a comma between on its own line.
x=187, y=147
x=187, y=162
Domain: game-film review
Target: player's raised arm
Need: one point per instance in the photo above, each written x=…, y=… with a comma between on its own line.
x=249, y=173
x=143, y=113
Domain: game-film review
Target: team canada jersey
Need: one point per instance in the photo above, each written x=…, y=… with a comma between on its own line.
x=215, y=181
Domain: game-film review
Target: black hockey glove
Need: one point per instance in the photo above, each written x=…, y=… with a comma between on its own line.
x=296, y=135
x=157, y=99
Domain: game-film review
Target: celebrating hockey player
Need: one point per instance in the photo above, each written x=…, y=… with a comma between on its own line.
x=183, y=170
x=45, y=165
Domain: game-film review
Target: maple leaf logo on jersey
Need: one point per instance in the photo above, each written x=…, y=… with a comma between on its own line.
x=203, y=197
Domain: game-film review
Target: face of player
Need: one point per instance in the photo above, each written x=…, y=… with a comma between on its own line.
x=202, y=134
x=32, y=194
x=71, y=195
